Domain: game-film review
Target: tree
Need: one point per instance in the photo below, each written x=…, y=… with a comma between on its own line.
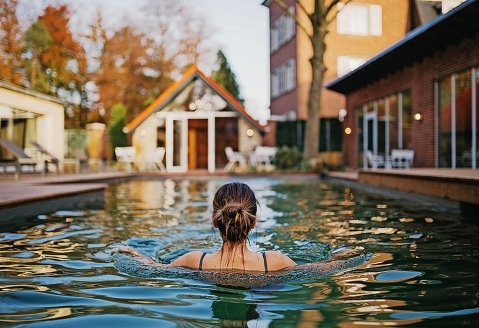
x=225, y=76
x=319, y=18
x=37, y=41
x=115, y=126
x=121, y=76
x=10, y=43
x=66, y=64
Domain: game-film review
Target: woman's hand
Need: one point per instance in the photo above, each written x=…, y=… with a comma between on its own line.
x=134, y=253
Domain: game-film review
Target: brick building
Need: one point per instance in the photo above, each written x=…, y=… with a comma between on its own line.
x=421, y=93
x=362, y=29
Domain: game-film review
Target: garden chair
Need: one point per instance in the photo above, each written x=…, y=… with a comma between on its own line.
x=374, y=160
x=233, y=158
x=154, y=159
x=126, y=155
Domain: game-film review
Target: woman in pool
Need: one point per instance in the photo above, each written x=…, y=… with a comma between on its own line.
x=234, y=215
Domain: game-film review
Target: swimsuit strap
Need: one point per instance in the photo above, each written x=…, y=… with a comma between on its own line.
x=265, y=263
x=200, y=266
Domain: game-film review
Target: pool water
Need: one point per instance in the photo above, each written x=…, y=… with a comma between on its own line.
x=58, y=271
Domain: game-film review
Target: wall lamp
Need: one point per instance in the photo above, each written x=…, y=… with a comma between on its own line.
x=418, y=117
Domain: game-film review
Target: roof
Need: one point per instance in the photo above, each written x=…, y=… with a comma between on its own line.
x=424, y=41
x=171, y=92
x=33, y=93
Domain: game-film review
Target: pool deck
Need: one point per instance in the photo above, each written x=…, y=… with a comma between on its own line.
x=460, y=185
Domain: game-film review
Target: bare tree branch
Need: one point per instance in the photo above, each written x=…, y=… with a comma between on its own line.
x=292, y=15
x=303, y=8
x=330, y=7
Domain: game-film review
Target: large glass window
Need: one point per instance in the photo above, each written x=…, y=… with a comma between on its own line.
x=406, y=120
x=393, y=122
x=360, y=115
x=476, y=114
x=387, y=124
x=444, y=122
x=458, y=120
x=382, y=121
x=463, y=119
x=359, y=19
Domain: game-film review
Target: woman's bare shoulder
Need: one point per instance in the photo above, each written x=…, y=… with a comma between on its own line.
x=278, y=261
x=189, y=260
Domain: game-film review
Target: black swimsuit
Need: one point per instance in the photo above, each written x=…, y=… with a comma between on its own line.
x=200, y=266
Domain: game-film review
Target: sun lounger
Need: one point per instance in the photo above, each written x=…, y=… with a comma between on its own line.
x=49, y=157
x=20, y=158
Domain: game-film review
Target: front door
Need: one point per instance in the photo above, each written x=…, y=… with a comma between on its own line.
x=197, y=144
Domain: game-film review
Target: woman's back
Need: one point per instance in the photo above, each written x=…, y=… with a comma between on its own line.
x=237, y=260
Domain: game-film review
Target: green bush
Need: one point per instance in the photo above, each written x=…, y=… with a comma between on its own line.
x=288, y=158
x=115, y=127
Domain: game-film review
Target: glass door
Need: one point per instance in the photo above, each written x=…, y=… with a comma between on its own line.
x=177, y=144
x=370, y=134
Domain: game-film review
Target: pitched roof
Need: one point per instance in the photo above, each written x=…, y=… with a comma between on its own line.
x=172, y=91
x=424, y=41
x=33, y=93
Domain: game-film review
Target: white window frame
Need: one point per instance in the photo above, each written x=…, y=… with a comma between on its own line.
x=346, y=64
x=348, y=16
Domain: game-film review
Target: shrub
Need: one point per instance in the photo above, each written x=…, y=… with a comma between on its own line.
x=288, y=158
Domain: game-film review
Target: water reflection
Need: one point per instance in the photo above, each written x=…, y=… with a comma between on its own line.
x=59, y=267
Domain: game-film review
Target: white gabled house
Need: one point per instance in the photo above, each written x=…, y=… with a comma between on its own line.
x=195, y=119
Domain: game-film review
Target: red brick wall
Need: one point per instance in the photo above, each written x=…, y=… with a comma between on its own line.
x=286, y=102
x=420, y=78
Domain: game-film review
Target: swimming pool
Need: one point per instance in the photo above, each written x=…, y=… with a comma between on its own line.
x=58, y=271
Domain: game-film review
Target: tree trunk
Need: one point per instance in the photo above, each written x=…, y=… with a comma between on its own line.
x=311, y=145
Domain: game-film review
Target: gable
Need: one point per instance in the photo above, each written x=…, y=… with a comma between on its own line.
x=193, y=92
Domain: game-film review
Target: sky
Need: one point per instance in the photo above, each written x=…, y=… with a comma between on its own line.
x=240, y=30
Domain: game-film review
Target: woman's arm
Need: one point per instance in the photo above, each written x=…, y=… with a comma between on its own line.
x=137, y=256
x=189, y=260
x=336, y=261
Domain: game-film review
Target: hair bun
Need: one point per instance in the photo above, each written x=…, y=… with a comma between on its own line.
x=230, y=210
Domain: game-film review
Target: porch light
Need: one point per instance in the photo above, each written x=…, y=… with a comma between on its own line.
x=347, y=130
x=143, y=132
x=418, y=117
x=192, y=106
x=249, y=132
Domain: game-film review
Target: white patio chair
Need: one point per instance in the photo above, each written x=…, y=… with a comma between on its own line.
x=154, y=159
x=233, y=158
x=126, y=155
x=262, y=155
x=374, y=160
x=402, y=158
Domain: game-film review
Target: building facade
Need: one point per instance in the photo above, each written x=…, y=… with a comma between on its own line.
x=420, y=93
x=361, y=29
x=195, y=119
x=26, y=116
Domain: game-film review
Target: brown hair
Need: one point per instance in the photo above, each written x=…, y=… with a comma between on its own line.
x=234, y=211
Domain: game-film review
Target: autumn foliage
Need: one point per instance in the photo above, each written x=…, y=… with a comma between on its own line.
x=97, y=69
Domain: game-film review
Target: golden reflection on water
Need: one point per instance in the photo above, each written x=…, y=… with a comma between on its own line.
x=46, y=314
x=162, y=212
